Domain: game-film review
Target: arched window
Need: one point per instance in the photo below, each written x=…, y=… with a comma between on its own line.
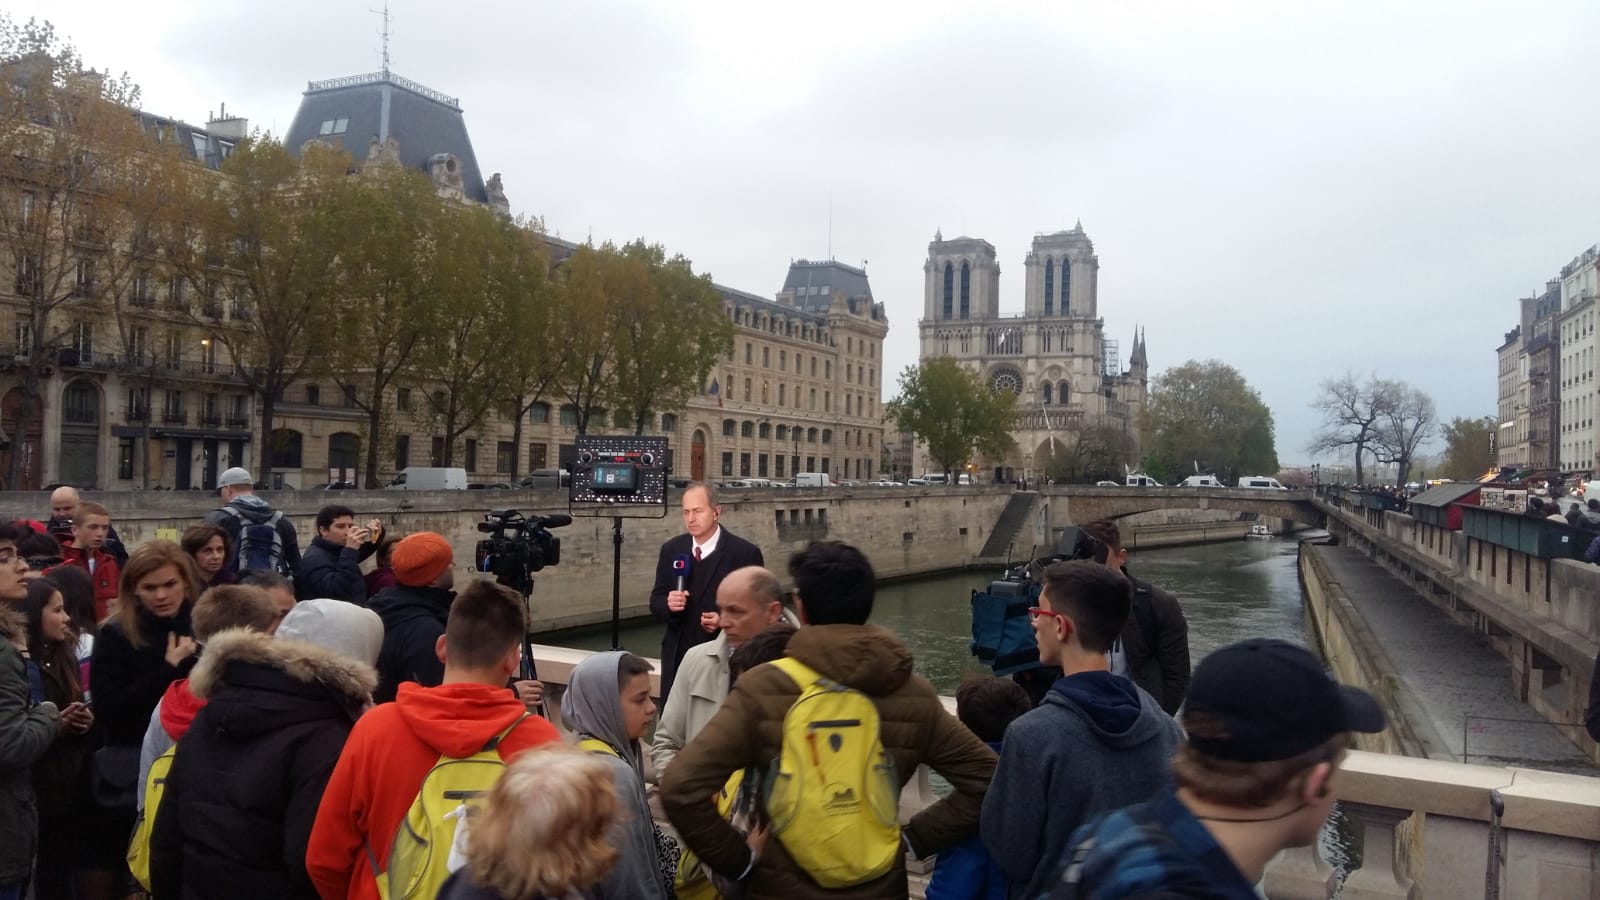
x=966, y=291
x=827, y=435
x=1063, y=392
x=80, y=404
x=765, y=431
x=669, y=423
x=783, y=433
x=811, y=435
x=1049, y=288
x=344, y=451
x=747, y=428
x=1066, y=286
x=539, y=412
x=728, y=425
x=949, y=292
x=285, y=448
x=1047, y=393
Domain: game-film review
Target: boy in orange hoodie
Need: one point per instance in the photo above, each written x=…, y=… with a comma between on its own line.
x=394, y=744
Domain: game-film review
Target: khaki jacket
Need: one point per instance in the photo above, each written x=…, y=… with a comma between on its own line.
x=748, y=731
x=697, y=694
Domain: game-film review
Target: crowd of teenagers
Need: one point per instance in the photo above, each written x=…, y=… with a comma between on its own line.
x=228, y=717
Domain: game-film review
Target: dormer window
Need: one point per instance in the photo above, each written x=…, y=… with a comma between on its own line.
x=335, y=126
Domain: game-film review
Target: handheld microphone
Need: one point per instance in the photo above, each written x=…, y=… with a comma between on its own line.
x=557, y=520
x=680, y=567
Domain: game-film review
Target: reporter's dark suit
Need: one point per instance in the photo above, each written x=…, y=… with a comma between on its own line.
x=683, y=628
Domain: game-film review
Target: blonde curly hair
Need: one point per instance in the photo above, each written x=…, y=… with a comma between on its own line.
x=544, y=827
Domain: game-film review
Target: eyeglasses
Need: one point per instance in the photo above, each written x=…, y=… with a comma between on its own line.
x=1035, y=612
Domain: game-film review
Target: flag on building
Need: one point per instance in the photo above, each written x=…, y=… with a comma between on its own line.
x=716, y=391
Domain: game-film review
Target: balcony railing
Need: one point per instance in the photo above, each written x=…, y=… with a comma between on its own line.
x=211, y=419
x=238, y=423
x=174, y=417
x=137, y=413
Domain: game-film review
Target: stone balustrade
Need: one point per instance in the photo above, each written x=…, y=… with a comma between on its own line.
x=1423, y=828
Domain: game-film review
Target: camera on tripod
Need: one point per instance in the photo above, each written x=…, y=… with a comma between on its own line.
x=518, y=546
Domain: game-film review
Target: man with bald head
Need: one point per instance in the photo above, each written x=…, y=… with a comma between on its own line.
x=64, y=502
x=749, y=600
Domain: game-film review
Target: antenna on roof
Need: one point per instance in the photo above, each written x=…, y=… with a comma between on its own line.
x=384, y=34
x=830, y=223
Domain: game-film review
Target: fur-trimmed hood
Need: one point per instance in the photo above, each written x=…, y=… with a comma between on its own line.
x=301, y=661
x=13, y=626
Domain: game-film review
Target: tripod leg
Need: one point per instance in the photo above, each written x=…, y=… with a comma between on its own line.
x=616, y=583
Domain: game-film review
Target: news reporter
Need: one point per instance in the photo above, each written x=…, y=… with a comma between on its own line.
x=689, y=571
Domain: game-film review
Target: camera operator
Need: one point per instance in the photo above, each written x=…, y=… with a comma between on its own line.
x=1153, y=649
x=688, y=573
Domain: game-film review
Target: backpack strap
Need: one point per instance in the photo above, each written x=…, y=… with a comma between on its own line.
x=595, y=745
x=801, y=674
x=494, y=742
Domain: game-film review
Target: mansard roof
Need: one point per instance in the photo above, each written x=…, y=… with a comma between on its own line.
x=814, y=283
x=351, y=112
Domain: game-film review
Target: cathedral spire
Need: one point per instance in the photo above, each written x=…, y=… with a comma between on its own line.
x=938, y=235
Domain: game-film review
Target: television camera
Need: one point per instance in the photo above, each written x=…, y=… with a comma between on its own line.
x=518, y=546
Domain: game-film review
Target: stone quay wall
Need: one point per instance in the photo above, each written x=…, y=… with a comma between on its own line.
x=904, y=531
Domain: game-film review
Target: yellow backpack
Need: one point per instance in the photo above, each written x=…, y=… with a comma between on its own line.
x=419, y=856
x=155, y=785
x=833, y=797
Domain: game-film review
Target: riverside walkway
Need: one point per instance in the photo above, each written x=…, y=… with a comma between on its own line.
x=1459, y=690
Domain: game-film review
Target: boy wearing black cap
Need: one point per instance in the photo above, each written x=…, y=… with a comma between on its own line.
x=1267, y=730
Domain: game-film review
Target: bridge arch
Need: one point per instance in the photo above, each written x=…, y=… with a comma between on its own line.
x=1083, y=503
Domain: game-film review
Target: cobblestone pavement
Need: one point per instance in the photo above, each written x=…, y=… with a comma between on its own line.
x=1462, y=685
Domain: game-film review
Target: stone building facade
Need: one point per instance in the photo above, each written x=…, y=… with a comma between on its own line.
x=1054, y=356
x=143, y=398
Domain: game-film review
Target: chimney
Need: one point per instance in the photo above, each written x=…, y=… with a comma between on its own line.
x=228, y=127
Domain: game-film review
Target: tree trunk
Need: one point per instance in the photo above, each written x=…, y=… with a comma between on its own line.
x=516, y=439
x=374, y=426
x=25, y=414
x=269, y=411
x=1361, y=447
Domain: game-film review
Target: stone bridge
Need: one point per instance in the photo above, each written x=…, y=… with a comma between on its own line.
x=1082, y=503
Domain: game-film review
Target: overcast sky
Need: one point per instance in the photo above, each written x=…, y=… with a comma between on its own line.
x=1297, y=189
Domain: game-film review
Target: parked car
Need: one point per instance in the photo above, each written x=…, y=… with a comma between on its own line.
x=489, y=486
x=1106, y=484
x=918, y=482
x=339, y=486
x=547, y=479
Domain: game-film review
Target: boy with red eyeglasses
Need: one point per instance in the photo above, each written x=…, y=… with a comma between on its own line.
x=1096, y=743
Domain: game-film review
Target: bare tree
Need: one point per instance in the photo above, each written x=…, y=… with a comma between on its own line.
x=1406, y=425
x=1353, y=412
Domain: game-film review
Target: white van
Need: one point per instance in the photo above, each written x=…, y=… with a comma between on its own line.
x=935, y=478
x=429, y=478
x=812, y=479
x=1138, y=479
x=1262, y=482
x=1201, y=481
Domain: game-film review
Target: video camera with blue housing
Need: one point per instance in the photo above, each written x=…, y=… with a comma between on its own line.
x=1002, y=635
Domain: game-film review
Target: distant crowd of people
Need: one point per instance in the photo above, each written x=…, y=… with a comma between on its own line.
x=225, y=716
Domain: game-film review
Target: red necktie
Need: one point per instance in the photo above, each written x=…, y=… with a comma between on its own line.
x=697, y=554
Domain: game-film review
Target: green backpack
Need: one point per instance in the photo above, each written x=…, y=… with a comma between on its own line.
x=155, y=785
x=833, y=796
x=419, y=855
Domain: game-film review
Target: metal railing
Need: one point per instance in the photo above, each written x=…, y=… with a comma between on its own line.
x=379, y=78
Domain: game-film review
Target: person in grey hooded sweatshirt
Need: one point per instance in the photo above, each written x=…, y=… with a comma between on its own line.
x=1096, y=743
x=608, y=707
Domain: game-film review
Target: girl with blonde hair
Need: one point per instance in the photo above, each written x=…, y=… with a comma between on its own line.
x=543, y=832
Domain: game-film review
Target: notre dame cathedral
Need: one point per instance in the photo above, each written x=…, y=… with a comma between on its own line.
x=1054, y=356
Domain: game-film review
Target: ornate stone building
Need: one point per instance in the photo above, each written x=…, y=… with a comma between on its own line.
x=1054, y=356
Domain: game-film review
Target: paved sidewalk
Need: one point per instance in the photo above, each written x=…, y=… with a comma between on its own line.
x=1451, y=672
